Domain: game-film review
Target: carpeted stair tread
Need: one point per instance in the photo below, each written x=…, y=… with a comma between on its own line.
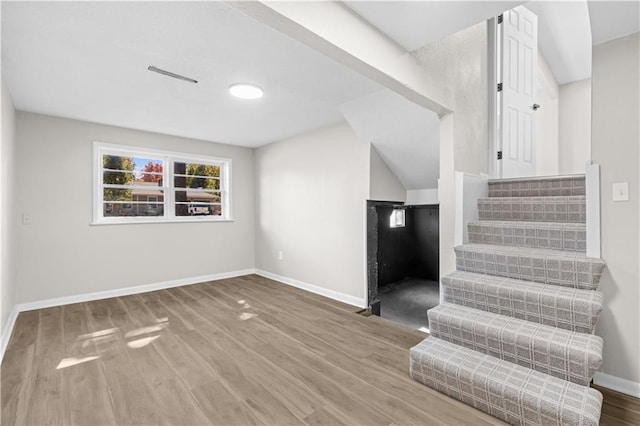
x=565, y=268
x=513, y=336
x=550, y=235
x=568, y=355
x=538, y=186
x=515, y=394
x=534, y=209
x=567, y=308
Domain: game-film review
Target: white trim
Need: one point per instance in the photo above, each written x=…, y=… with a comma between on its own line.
x=468, y=188
x=492, y=71
x=168, y=158
x=7, y=330
x=617, y=384
x=592, y=193
x=188, y=219
x=341, y=297
x=365, y=241
x=458, y=217
x=86, y=297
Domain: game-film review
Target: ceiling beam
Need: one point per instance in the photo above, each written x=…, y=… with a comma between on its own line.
x=335, y=31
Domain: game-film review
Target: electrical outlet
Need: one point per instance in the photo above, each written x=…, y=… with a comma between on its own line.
x=620, y=191
x=280, y=255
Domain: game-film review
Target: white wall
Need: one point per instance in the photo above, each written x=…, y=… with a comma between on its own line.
x=422, y=196
x=61, y=254
x=547, y=163
x=404, y=134
x=7, y=209
x=575, y=126
x=383, y=184
x=468, y=189
x=311, y=206
x=458, y=65
x=446, y=195
x=615, y=146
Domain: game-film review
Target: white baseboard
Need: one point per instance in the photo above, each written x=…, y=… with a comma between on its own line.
x=79, y=298
x=48, y=303
x=341, y=297
x=7, y=330
x=617, y=384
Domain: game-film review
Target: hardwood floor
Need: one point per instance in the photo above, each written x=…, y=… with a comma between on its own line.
x=239, y=351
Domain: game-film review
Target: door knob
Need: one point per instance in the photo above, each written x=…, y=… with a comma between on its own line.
x=535, y=107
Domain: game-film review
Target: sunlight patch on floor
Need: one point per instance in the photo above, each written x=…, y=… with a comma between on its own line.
x=145, y=330
x=102, y=341
x=140, y=343
x=70, y=362
x=101, y=333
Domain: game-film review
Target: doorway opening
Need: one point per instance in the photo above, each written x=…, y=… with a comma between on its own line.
x=403, y=261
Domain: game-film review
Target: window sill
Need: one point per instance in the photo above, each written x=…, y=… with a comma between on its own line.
x=146, y=222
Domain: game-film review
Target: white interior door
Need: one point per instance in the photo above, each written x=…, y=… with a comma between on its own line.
x=519, y=54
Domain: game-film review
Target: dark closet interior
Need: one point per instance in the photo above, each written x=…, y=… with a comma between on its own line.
x=403, y=261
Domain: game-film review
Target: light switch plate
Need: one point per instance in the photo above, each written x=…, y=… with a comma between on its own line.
x=621, y=191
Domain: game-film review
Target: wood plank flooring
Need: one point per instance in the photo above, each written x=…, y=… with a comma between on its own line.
x=241, y=351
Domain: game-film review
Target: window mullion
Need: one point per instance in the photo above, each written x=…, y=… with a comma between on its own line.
x=226, y=200
x=170, y=210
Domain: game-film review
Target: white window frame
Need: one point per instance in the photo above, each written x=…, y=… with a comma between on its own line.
x=168, y=158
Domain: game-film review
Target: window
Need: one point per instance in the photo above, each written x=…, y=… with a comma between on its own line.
x=396, y=220
x=134, y=185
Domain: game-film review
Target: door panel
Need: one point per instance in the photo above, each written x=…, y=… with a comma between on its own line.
x=519, y=64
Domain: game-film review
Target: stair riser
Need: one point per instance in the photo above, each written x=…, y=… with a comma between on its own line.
x=538, y=188
x=573, y=273
x=566, y=237
x=563, y=308
x=546, y=209
x=574, y=357
x=509, y=392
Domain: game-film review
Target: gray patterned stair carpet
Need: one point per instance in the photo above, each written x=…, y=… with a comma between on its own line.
x=514, y=336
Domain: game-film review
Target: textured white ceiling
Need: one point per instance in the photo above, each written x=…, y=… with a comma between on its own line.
x=564, y=38
x=406, y=135
x=88, y=61
x=613, y=19
x=567, y=29
x=413, y=24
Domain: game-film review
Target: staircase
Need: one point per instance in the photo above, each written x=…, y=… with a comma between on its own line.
x=514, y=336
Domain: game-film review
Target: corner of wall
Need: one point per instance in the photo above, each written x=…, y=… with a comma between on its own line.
x=8, y=224
x=312, y=195
x=614, y=146
x=384, y=185
x=7, y=331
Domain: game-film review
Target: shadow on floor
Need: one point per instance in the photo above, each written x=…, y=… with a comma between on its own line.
x=408, y=300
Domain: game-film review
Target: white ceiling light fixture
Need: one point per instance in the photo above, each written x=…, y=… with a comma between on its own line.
x=246, y=91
